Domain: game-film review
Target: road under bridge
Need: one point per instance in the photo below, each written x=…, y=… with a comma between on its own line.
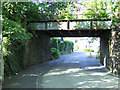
x=38, y=48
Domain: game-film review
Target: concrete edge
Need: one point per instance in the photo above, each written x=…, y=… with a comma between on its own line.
x=109, y=71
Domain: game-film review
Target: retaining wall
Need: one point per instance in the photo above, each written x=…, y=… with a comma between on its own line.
x=37, y=50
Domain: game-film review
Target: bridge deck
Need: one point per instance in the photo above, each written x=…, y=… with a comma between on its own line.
x=71, y=24
x=72, y=28
x=74, y=33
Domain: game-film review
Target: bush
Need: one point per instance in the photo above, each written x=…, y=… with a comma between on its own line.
x=13, y=57
x=55, y=53
x=14, y=38
x=63, y=48
x=66, y=46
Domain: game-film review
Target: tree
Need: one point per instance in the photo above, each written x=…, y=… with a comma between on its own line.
x=97, y=9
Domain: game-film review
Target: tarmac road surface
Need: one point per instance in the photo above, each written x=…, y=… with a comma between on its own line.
x=76, y=70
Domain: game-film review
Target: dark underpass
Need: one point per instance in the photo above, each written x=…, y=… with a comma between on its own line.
x=45, y=32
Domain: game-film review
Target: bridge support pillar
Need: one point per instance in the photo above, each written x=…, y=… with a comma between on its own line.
x=115, y=41
x=38, y=50
x=104, y=48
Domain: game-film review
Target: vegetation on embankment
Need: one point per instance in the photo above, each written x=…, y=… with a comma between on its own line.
x=63, y=48
x=88, y=50
x=14, y=38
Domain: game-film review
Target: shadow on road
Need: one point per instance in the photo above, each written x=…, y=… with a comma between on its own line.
x=76, y=70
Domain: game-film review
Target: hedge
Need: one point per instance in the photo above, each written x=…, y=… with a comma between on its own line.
x=65, y=48
x=55, y=53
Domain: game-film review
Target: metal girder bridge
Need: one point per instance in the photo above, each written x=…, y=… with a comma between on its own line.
x=72, y=28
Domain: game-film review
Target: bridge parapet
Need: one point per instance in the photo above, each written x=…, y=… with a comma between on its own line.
x=78, y=24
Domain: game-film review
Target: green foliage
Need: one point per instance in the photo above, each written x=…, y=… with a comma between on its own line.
x=14, y=37
x=14, y=31
x=97, y=9
x=13, y=56
x=64, y=48
x=88, y=50
x=18, y=11
x=55, y=53
x=54, y=42
x=15, y=27
x=98, y=54
x=93, y=39
x=77, y=47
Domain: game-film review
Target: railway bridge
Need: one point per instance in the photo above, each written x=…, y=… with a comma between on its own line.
x=38, y=48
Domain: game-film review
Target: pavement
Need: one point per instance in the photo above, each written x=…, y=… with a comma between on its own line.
x=76, y=70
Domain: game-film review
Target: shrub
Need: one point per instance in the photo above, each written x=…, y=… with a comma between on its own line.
x=64, y=47
x=55, y=53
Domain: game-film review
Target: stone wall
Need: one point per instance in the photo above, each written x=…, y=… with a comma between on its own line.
x=115, y=50
x=110, y=49
x=110, y=44
x=37, y=50
x=115, y=41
